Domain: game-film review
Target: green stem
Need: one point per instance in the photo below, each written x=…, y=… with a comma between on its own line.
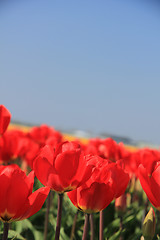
x=5, y=231
x=59, y=216
x=85, y=230
x=74, y=225
x=92, y=227
x=101, y=225
x=46, y=216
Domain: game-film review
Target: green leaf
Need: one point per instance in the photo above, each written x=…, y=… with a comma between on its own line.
x=13, y=235
x=26, y=224
x=115, y=236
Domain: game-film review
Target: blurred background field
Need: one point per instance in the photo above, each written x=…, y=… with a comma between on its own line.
x=85, y=136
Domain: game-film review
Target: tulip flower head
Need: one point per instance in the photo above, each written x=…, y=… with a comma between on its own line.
x=9, y=145
x=62, y=169
x=27, y=149
x=148, y=173
x=101, y=188
x=17, y=202
x=45, y=135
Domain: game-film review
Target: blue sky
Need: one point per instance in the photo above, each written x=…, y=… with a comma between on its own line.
x=89, y=65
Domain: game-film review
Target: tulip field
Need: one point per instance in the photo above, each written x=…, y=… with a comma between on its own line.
x=54, y=186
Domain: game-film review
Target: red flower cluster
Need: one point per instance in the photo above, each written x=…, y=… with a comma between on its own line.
x=95, y=180
x=94, y=174
x=17, y=144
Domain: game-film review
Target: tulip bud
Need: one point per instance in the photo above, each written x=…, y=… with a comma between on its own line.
x=149, y=224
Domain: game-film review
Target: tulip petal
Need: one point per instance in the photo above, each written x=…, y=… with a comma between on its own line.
x=66, y=165
x=90, y=200
x=83, y=173
x=17, y=192
x=145, y=181
x=156, y=176
x=47, y=152
x=46, y=173
x=155, y=184
x=5, y=118
x=119, y=176
x=73, y=197
x=4, y=185
x=30, y=181
x=35, y=202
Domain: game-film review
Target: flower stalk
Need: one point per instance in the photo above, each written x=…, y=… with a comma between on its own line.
x=47, y=215
x=59, y=216
x=92, y=227
x=86, y=225
x=5, y=231
x=74, y=225
x=101, y=220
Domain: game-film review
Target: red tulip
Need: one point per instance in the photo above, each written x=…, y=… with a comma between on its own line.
x=120, y=178
x=17, y=202
x=5, y=118
x=149, y=158
x=101, y=188
x=106, y=148
x=9, y=145
x=63, y=169
x=93, y=147
x=149, y=176
x=92, y=197
x=45, y=135
x=27, y=149
x=110, y=149
x=132, y=162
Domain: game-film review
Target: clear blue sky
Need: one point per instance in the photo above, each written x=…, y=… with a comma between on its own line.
x=89, y=65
